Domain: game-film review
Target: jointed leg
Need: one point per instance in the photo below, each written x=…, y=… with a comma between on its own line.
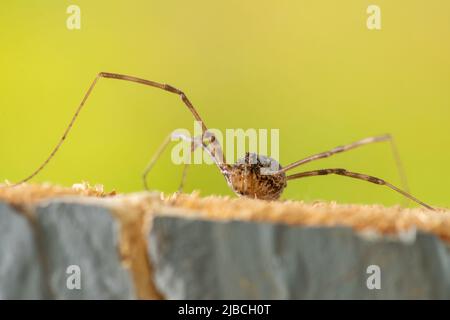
x=153, y=160
x=195, y=143
x=359, y=143
x=336, y=150
x=162, y=86
x=360, y=176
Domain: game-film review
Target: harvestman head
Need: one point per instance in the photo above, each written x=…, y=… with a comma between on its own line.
x=254, y=176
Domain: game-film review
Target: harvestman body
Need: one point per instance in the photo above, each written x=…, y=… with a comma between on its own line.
x=253, y=176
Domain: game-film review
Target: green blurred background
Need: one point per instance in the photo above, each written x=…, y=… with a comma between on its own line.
x=310, y=68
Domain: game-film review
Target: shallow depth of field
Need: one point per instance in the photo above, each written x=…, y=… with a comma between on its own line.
x=311, y=69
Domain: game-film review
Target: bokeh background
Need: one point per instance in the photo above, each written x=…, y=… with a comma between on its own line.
x=309, y=68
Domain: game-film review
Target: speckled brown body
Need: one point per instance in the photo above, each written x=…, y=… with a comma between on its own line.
x=246, y=178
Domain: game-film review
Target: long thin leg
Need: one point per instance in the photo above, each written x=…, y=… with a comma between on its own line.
x=117, y=76
x=195, y=143
x=355, y=175
x=183, y=178
x=153, y=160
x=359, y=143
x=338, y=149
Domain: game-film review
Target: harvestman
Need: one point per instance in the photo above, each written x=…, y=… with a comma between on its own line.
x=253, y=176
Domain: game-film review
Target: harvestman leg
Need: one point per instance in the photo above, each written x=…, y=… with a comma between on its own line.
x=195, y=143
x=359, y=143
x=117, y=76
x=355, y=175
